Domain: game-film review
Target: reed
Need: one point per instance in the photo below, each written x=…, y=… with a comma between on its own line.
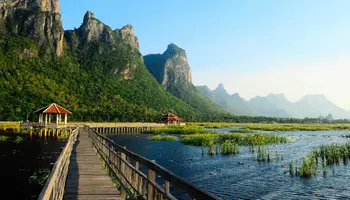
x=163, y=138
x=329, y=154
x=263, y=154
x=240, y=139
x=296, y=127
x=183, y=130
x=229, y=147
x=241, y=130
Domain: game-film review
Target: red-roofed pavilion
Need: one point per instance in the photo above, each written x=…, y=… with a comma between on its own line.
x=50, y=111
x=171, y=118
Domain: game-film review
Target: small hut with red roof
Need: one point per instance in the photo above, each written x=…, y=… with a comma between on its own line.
x=171, y=118
x=52, y=111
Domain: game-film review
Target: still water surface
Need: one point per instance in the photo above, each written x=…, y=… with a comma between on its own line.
x=18, y=162
x=241, y=176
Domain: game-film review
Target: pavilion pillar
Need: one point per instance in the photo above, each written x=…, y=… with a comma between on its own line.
x=56, y=118
x=65, y=119
x=49, y=118
x=45, y=119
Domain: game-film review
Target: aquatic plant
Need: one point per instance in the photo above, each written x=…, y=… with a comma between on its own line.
x=215, y=125
x=263, y=154
x=253, y=139
x=329, y=154
x=39, y=177
x=229, y=147
x=296, y=127
x=241, y=130
x=3, y=138
x=18, y=139
x=291, y=168
x=63, y=136
x=183, y=130
x=308, y=166
x=163, y=138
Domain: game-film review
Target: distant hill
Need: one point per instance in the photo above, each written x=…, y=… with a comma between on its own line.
x=233, y=103
x=275, y=105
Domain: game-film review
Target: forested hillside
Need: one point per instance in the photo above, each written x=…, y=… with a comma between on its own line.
x=98, y=74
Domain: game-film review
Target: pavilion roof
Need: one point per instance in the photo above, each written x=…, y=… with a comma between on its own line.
x=53, y=109
x=171, y=117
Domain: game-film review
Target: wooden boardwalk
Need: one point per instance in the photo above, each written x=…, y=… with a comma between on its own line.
x=87, y=179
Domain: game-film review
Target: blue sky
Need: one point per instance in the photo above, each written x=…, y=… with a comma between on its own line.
x=254, y=47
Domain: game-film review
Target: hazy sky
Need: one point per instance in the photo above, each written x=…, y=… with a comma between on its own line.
x=254, y=47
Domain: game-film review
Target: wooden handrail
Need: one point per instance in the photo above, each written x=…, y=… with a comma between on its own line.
x=55, y=184
x=124, y=166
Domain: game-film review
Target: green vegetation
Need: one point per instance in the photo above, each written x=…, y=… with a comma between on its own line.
x=183, y=130
x=88, y=81
x=263, y=154
x=39, y=177
x=241, y=130
x=328, y=155
x=3, y=138
x=253, y=139
x=63, y=136
x=297, y=127
x=163, y=138
x=214, y=125
x=18, y=140
x=229, y=147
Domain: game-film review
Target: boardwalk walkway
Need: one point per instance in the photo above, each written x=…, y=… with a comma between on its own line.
x=87, y=179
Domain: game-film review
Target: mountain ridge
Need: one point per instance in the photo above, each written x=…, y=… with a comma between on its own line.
x=277, y=105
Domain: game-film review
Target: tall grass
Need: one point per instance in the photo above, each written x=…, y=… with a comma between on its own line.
x=183, y=130
x=163, y=138
x=323, y=156
x=297, y=127
x=241, y=130
x=254, y=139
x=229, y=147
x=263, y=154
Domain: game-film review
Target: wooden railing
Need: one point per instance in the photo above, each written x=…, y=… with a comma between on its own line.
x=55, y=184
x=126, y=168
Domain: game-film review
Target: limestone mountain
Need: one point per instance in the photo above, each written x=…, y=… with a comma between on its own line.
x=266, y=108
x=170, y=68
x=96, y=72
x=316, y=105
x=39, y=20
x=275, y=105
x=172, y=71
x=233, y=103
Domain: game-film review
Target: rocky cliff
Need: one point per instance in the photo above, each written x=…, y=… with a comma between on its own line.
x=40, y=20
x=172, y=71
x=95, y=37
x=170, y=68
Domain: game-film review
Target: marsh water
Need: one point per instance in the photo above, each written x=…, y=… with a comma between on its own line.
x=19, y=160
x=242, y=176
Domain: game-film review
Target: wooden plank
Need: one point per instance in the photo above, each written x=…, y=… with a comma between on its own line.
x=87, y=178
